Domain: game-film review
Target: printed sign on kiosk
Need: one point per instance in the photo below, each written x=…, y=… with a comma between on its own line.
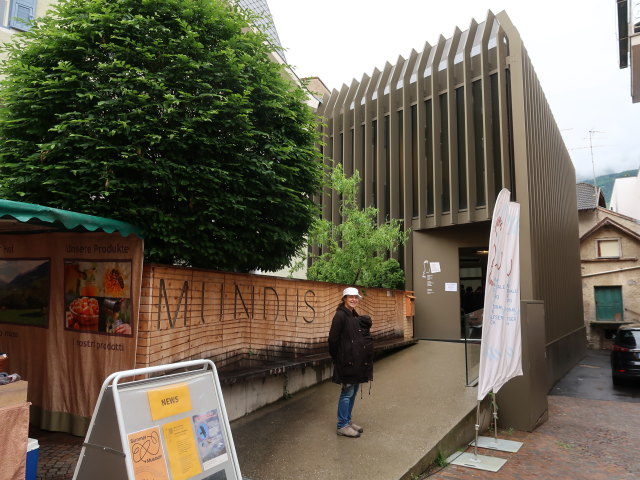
x=169, y=427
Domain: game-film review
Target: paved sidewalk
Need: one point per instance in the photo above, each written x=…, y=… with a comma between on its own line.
x=418, y=405
x=418, y=401
x=584, y=438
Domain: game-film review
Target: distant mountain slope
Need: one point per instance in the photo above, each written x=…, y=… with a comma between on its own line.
x=605, y=182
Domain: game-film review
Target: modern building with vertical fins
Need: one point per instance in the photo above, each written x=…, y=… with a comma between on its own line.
x=435, y=138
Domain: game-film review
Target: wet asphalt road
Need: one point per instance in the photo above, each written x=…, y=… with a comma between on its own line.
x=591, y=379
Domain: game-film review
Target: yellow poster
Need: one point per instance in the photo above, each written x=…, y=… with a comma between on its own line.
x=167, y=401
x=181, y=449
x=147, y=456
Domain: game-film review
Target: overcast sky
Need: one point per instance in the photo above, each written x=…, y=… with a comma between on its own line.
x=572, y=45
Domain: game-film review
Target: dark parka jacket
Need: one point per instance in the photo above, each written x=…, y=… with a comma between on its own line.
x=351, y=347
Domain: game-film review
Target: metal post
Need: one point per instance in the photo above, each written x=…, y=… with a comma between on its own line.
x=495, y=415
x=475, y=444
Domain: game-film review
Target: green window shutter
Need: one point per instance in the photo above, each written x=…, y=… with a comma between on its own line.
x=21, y=12
x=608, y=304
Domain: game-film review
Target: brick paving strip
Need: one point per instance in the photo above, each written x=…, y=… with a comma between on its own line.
x=583, y=440
x=58, y=454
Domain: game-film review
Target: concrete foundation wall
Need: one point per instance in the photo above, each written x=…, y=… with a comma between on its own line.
x=246, y=396
x=522, y=402
x=563, y=354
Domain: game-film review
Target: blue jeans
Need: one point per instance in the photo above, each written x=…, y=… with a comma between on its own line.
x=345, y=403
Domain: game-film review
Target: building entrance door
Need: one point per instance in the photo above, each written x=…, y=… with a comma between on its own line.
x=473, y=271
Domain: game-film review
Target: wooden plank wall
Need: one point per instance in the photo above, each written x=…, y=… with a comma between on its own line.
x=238, y=320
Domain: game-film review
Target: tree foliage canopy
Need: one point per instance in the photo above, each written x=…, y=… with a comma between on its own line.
x=355, y=251
x=167, y=114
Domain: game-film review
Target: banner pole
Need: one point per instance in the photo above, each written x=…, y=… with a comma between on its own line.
x=495, y=415
x=475, y=447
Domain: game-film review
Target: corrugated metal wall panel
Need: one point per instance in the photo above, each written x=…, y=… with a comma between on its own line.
x=550, y=250
x=554, y=214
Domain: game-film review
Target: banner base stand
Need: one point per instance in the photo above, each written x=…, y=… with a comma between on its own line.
x=499, y=444
x=479, y=462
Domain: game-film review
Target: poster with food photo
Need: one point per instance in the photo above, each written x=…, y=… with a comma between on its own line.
x=98, y=296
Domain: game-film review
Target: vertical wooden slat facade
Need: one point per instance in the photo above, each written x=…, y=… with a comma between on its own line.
x=433, y=153
x=240, y=320
x=444, y=132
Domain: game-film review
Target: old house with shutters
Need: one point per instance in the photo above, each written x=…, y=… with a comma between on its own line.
x=609, y=253
x=15, y=15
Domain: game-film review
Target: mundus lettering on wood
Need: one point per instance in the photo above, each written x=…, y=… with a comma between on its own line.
x=172, y=316
x=212, y=302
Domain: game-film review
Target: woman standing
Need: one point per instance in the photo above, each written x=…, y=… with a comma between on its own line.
x=351, y=349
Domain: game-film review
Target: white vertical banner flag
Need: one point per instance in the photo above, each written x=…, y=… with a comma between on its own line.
x=501, y=346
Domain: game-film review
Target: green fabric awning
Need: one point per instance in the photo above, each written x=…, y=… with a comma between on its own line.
x=63, y=219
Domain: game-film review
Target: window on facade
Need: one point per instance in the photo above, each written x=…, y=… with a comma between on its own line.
x=386, y=167
x=352, y=153
x=608, y=248
x=327, y=203
x=428, y=148
x=17, y=13
x=321, y=196
x=414, y=158
x=361, y=163
x=608, y=303
x=462, y=149
x=478, y=141
x=495, y=130
x=444, y=151
x=374, y=161
x=4, y=12
x=401, y=177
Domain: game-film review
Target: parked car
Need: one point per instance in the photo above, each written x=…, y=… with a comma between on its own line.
x=625, y=354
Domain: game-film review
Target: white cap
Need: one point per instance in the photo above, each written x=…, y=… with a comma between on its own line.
x=351, y=291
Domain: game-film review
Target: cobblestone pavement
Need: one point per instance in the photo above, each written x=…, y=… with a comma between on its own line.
x=57, y=454
x=582, y=440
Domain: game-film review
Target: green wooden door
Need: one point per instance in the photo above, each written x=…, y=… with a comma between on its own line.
x=608, y=304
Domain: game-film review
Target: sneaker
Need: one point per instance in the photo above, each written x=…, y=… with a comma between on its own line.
x=356, y=427
x=347, y=431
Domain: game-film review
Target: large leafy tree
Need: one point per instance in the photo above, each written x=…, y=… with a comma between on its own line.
x=167, y=114
x=357, y=250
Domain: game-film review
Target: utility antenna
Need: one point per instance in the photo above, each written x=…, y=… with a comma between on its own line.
x=593, y=166
x=593, y=163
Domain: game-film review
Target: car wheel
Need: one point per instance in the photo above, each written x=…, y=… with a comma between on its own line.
x=616, y=381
